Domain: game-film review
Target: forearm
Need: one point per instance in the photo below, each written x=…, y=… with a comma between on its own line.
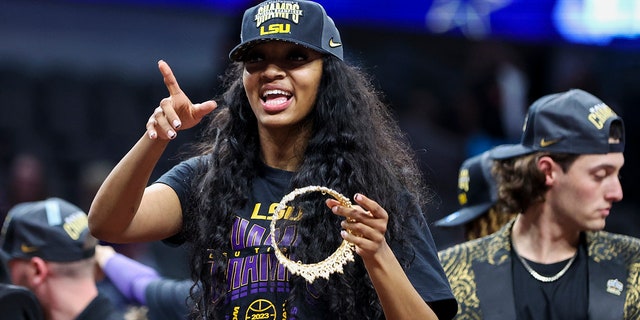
x=130, y=277
x=118, y=199
x=398, y=297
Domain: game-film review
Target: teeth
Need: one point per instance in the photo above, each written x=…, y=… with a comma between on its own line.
x=274, y=92
x=275, y=102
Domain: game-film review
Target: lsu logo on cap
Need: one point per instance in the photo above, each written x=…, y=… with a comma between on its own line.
x=275, y=28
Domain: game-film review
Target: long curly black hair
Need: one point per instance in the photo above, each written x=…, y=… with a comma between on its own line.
x=355, y=146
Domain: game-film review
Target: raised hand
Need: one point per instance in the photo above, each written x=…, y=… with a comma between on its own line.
x=175, y=112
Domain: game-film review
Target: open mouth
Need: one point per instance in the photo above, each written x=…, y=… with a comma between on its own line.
x=275, y=97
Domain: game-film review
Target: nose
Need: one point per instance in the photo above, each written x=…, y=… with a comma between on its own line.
x=273, y=71
x=614, y=194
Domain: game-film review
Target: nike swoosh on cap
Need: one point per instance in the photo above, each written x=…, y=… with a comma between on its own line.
x=27, y=249
x=334, y=44
x=545, y=143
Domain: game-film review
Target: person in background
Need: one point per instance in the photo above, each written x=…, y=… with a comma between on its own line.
x=142, y=285
x=19, y=303
x=16, y=302
x=51, y=252
x=294, y=114
x=553, y=261
x=27, y=181
x=477, y=196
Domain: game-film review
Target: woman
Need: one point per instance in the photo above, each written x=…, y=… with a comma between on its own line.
x=293, y=114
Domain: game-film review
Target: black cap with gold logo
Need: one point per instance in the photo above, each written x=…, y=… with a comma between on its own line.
x=574, y=122
x=53, y=229
x=301, y=22
x=477, y=191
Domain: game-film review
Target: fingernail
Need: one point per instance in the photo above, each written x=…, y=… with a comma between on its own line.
x=334, y=209
x=343, y=233
x=358, y=197
x=152, y=135
x=176, y=124
x=171, y=133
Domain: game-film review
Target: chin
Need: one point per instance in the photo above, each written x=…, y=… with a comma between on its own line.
x=596, y=225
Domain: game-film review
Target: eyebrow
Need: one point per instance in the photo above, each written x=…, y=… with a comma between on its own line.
x=605, y=166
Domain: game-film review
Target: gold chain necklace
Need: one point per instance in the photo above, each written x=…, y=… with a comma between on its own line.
x=324, y=268
x=540, y=277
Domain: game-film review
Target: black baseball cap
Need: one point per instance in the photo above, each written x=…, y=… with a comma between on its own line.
x=53, y=229
x=477, y=191
x=574, y=122
x=301, y=22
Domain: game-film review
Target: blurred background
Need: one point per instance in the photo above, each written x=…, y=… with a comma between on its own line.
x=79, y=79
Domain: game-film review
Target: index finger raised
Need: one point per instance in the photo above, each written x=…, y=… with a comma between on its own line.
x=169, y=79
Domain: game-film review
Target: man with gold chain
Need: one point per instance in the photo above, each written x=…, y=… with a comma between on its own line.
x=553, y=261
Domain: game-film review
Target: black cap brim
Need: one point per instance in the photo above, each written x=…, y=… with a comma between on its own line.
x=463, y=215
x=238, y=53
x=509, y=151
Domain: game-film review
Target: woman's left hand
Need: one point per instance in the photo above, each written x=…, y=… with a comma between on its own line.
x=365, y=225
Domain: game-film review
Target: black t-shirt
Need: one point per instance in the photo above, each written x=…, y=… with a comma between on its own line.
x=100, y=308
x=258, y=284
x=167, y=299
x=564, y=299
x=19, y=303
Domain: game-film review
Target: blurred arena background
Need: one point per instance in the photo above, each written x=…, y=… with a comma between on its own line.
x=78, y=80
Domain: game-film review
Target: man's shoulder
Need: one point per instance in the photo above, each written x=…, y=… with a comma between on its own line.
x=617, y=239
x=471, y=245
x=492, y=249
x=609, y=246
x=496, y=241
x=100, y=308
x=18, y=303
